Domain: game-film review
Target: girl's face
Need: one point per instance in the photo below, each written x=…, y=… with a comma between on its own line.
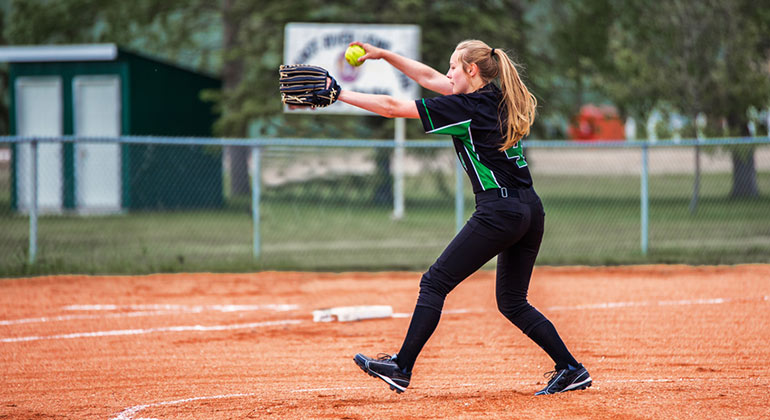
x=460, y=80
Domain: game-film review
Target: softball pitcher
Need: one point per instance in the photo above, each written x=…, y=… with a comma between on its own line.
x=486, y=123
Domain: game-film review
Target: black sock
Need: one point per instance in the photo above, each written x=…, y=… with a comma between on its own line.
x=545, y=335
x=424, y=322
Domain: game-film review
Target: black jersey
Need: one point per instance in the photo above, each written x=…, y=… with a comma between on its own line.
x=473, y=121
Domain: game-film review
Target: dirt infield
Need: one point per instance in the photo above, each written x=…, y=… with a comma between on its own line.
x=661, y=342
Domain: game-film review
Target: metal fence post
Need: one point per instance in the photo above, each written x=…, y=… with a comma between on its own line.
x=700, y=124
x=256, y=191
x=459, y=197
x=33, y=207
x=398, y=169
x=645, y=198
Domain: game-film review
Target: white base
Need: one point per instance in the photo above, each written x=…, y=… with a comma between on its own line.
x=352, y=313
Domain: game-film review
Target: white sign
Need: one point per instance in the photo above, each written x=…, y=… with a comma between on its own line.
x=324, y=44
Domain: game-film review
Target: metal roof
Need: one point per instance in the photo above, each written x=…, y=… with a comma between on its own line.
x=53, y=53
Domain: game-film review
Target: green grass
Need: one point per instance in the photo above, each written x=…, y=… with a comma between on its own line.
x=598, y=221
x=336, y=225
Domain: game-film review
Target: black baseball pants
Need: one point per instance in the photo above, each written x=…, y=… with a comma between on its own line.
x=508, y=224
x=510, y=227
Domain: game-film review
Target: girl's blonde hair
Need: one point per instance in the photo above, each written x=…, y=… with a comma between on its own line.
x=519, y=102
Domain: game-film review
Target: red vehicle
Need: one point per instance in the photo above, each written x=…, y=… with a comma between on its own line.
x=597, y=123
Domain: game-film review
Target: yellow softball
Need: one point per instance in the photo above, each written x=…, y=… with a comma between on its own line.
x=353, y=53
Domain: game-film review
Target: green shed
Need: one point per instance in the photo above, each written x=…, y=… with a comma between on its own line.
x=101, y=90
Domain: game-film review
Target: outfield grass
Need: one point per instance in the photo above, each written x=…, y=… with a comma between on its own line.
x=335, y=225
x=594, y=222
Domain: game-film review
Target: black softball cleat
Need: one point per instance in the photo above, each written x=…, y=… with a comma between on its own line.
x=564, y=380
x=384, y=367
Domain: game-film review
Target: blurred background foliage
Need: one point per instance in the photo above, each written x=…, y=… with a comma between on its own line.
x=680, y=57
x=679, y=60
x=693, y=56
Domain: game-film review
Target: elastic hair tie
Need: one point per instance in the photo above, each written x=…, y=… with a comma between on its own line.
x=493, y=52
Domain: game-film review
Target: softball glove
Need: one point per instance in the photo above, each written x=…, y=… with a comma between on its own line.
x=307, y=86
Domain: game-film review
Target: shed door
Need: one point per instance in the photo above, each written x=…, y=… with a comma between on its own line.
x=39, y=113
x=98, y=165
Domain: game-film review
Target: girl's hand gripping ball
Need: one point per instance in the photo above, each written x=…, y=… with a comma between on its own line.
x=353, y=53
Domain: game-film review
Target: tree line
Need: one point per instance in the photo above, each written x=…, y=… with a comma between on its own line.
x=696, y=58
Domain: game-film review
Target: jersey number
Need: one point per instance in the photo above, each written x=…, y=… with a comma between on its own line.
x=516, y=153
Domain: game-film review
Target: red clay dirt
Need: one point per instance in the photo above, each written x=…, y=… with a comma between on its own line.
x=661, y=342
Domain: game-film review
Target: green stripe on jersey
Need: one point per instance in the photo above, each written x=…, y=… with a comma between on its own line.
x=428, y=114
x=462, y=131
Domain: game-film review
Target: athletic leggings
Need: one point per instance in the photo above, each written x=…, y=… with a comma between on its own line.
x=509, y=227
x=506, y=223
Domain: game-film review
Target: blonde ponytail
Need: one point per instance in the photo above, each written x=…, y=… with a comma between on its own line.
x=518, y=102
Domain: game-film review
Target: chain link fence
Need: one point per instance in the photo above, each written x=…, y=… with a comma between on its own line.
x=164, y=204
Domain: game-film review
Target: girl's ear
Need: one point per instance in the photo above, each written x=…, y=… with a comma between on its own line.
x=472, y=69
